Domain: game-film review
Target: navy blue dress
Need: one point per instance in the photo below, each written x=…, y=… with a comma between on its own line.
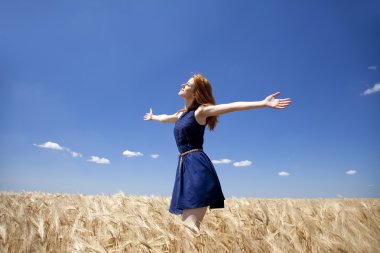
x=196, y=182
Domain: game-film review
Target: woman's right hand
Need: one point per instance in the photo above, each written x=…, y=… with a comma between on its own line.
x=149, y=115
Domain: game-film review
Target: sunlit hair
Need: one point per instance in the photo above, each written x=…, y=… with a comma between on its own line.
x=203, y=96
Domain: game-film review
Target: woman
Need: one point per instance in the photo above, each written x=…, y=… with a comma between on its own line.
x=196, y=183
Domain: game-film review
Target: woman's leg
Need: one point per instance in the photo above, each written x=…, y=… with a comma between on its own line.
x=194, y=216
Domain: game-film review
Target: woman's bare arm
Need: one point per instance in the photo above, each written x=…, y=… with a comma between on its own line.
x=162, y=117
x=270, y=101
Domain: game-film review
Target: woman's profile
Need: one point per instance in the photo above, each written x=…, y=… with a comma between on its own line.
x=196, y=185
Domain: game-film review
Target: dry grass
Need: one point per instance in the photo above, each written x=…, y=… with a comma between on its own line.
x=44, y=222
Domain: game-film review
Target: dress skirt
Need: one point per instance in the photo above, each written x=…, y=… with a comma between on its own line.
x=196, y=184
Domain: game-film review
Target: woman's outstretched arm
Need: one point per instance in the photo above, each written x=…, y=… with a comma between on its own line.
x=162, y=118
x=270, y=101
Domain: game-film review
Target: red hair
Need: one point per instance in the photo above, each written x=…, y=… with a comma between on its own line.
x=203, y=96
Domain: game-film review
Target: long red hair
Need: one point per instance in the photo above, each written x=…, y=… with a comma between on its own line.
x=203, y=96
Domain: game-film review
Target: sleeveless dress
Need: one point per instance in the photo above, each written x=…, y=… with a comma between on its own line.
x=196, y=182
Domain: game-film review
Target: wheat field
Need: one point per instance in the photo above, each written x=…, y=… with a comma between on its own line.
x=47, y=222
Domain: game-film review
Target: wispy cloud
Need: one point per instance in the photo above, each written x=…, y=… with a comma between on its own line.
x=73, y=153
x=222, y=161
x=351, y=172
x=244, y=163
x=374, y=89
x=99, y=160
x=283, y=174
x=154, y=156
x=371, y=185
x=56, y=146
x=372, y=67
x=129, y=153
x=76, y=154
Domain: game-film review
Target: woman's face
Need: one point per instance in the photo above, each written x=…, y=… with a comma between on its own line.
x=187, y=89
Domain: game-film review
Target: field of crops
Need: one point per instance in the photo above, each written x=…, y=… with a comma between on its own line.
x=47, y=222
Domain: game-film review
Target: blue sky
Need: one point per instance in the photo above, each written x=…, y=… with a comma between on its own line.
x=77, y=78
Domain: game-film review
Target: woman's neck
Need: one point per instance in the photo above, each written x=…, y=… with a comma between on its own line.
x=188, y=103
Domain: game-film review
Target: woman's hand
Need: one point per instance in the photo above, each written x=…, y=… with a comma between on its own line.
x=162, y=117
x=149, y=115
x=272, y=102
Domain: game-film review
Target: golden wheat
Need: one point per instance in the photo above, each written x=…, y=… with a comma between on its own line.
x=46, y=222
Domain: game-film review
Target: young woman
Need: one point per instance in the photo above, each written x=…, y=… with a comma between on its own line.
x=196, y=184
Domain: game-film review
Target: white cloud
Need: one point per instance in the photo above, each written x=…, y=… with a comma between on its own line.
x=244, y=163
x=99, y=160
x=129, y=153
x=155, y=156
x=351, y=172
x=56, y=146
x=75, y=154
x=222, y=161
x=371, y=185
x=50, y=145
x=283, y=174
x=372, y=67
x=374, y=89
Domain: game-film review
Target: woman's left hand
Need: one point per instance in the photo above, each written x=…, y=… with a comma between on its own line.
x=272, y=102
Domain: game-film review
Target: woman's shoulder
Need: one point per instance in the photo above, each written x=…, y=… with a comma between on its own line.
x=179, y=113
x=201, y=108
